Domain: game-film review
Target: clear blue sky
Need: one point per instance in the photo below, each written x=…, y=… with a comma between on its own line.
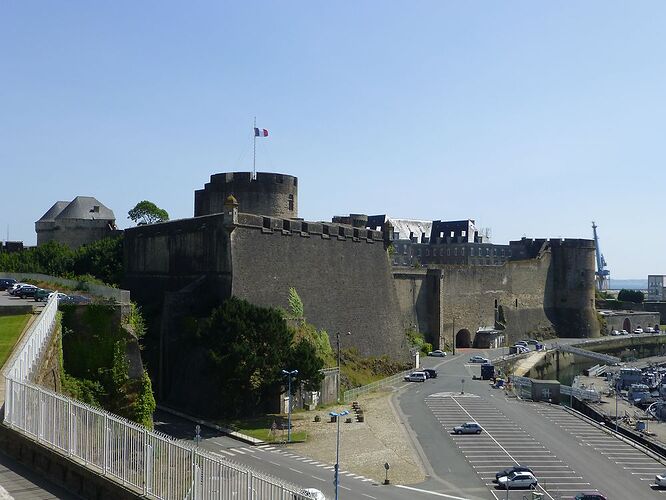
x=533, y=118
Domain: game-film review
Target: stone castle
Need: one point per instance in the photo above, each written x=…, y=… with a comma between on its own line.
x=246, y=240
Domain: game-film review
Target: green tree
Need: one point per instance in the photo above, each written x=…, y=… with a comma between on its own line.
x=247, y=347
x=102, y=259
x=146, y=212
x=635, y=296
x=296, y=305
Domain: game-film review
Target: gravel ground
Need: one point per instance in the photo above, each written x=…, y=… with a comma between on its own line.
x=364, y=446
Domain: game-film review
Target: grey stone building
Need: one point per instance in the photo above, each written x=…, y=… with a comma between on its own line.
x=424, y=243
x=76, y=223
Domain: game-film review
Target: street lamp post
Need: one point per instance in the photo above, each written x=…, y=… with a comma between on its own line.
x=453, y=336
x=289, y=374
x=337, y=388
x=337, y=450
x=617, y=386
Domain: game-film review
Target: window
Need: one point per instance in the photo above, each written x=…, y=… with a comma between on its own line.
x=502, y=252
x=448, y=251
x=418, y=252
x=488, y=253
x=291, y=202
x=453, y=234
x=427, y=252
x=463, y=233
x=471, y=251
x=462, y=251
x=404, y=249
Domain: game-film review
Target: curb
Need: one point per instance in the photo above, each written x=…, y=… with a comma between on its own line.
x=227, y=432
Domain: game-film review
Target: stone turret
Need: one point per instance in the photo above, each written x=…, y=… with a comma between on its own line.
x=269, y=194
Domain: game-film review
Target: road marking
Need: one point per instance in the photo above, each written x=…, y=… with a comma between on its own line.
x=300, y=472
x=508, y=454
x=369, y=496
x=430, y=492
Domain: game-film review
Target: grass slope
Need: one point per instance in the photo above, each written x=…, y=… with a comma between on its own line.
x=10, y=330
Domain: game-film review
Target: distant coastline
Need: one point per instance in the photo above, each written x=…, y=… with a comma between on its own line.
x=628, y=284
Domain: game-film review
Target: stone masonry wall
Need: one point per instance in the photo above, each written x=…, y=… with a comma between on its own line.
x=345, y=282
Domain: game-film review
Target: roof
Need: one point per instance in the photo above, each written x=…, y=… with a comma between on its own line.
x=54, y=211
x=80, y=208
x=406, y=226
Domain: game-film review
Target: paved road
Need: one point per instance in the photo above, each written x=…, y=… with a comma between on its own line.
x=282, y=463
x=568, y=454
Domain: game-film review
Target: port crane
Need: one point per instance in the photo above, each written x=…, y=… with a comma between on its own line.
x=602, y=275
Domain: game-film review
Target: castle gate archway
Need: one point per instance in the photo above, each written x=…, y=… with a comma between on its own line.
x=626, y=325
x=463, y=338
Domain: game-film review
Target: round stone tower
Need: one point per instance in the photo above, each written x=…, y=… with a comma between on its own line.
x=269, y=194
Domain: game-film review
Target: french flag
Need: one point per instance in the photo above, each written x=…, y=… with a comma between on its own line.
x=260, y=132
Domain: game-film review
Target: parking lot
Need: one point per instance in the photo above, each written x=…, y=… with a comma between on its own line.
x=630, y=461
x=502, y=444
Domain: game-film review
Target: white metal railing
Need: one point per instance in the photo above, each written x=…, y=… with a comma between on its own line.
x=149, y=462
x=581, y=394
x=351, y=394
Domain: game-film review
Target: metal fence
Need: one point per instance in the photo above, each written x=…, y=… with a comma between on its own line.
x=148, y=462
x=352, y=394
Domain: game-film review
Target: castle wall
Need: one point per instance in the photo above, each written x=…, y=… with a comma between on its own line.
x=74, y=233
x=415, y=309
x=171, y=255
x=343, y=278
x=269, y=194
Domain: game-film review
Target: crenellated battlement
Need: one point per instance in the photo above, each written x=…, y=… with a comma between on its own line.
x=325, y=230
x=267, y=193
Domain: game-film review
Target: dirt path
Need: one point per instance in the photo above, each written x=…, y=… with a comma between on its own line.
x=364, y=446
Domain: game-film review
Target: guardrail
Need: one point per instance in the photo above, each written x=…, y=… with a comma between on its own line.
x=148, y=462
x=352, y=394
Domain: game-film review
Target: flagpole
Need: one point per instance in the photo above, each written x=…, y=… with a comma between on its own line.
x=254, y=149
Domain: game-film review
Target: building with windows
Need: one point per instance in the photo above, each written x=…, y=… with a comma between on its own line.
x=656, y=288
x=424, y=243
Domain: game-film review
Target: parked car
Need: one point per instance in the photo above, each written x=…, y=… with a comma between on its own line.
x=468, y=428
x=6, y=283
x=15, y=287
x=478, y=359
x=615, y=332
x=590, y=496
x=509, y=470
x=660, y=479
x=42, y=294
x=430, y=372
x=518, y=480
x=649, y=329
x=61, y=296
x=638, y=329
x=26, y=291
x=416, y=377
x=520, y=349
x=438, y=353
x=312, y=493
x=75, y=299
x=522, y=343
x=624, y=332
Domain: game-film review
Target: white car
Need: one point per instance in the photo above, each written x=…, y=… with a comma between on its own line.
x=624, y=332
x=615, y=332
x=660, y=479
x=416, y=377
x=479, y=359
x=638, y=330
x=518, y=480
x=308, y=493
x=438, y=353
x=649, y=329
